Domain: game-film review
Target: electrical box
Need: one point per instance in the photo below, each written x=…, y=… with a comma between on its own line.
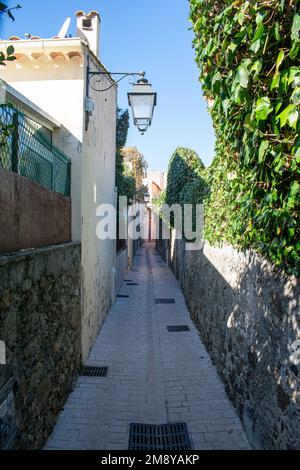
x=89, y=105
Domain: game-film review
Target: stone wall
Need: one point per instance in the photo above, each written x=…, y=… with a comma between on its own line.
x=248, y=316
x=40, y=315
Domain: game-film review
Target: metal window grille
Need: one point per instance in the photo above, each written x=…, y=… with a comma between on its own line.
x=25, y=150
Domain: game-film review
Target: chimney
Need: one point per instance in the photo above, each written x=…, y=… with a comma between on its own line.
x=88, y=29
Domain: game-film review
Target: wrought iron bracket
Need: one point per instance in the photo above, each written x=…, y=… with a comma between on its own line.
x=100, y=73
x=92, y=73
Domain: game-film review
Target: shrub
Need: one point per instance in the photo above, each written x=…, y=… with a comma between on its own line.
x=184, y=167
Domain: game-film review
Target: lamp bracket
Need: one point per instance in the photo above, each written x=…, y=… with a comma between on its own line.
x=100, y=74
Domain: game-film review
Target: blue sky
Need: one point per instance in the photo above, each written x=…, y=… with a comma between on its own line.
x=135, y=35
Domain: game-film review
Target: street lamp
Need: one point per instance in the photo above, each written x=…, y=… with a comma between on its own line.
x=142, y=100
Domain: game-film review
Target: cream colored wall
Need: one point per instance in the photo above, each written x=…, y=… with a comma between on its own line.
x=155, y=182
x=156, y=177
x=98, y=181
x=56, y=86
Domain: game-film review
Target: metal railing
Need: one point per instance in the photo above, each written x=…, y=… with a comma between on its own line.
x=25, y=151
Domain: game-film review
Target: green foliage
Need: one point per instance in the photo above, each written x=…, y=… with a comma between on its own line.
x=185, y=182
x=129, y=183
x=9, y=56
x=159, y=201
x=138, y=170
x=194, y=192
x=185, y=167
x=124, y=182
x=122, y=128
x=248, y=57
x=5, y=129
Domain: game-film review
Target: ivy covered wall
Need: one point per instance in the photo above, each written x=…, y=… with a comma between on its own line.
x=248, y=57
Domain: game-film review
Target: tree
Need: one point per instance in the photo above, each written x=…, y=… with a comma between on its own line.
x=137, y=167
x=125, y=183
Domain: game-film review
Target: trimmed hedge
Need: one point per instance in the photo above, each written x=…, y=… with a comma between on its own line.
x=248, y=57
x=185, y=182
x=185, y=167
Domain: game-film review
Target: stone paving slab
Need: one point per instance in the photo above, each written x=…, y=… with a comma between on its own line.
x=154, y=376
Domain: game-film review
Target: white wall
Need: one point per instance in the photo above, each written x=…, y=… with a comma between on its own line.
x=56, y=86
x=98, y=186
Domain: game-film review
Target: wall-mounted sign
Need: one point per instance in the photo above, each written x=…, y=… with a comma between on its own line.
x=8, y=420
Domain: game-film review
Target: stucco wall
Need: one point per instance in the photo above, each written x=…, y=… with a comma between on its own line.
x=31, y=216
x=56, y=82
x=121, y=266
x=98, y=181
x=248, y=315
x=40, y=324
x=56, y=86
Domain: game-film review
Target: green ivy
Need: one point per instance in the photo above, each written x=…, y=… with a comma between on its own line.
x=248, y=56
x=185, y=167
x=185, y=182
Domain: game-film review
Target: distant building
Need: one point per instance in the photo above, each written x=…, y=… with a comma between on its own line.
x=155, y=181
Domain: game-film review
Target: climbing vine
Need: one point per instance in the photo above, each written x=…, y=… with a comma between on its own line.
x=248, y=57
x=185, y=183
x=184, y=169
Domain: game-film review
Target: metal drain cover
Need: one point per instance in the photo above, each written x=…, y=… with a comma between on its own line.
x=173, y=328
x=172, y=436
x=132, y=284
x=165, y=301
x=90, y=371
x=122, y=296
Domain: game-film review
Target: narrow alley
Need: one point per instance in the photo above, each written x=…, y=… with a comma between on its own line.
x=154, y=376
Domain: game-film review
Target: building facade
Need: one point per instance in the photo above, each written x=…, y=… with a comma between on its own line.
x=52, y=73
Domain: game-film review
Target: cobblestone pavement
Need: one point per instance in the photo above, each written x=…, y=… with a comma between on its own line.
x=154, y=376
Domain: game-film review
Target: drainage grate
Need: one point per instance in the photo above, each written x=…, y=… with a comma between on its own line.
x=122, y=296
x=173, y=328
x=90, y=371
x=173, y=436
x=165, y=301
x=128, y=280
x=132, y=284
